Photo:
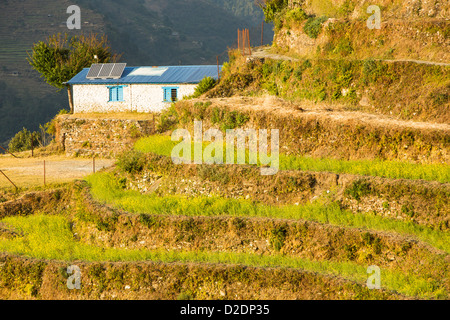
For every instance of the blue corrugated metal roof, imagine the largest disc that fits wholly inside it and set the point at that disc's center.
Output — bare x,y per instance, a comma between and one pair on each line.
172,75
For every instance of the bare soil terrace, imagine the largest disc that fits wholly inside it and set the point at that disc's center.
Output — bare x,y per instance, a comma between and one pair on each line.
29,172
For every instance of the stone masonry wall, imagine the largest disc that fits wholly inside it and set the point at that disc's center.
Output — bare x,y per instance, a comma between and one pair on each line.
79,136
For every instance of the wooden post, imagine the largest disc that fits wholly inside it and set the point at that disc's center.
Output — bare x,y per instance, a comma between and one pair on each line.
32,144
154,125
243,42
239,40
262,33
9,180
8,152
249,46
218,69
44,173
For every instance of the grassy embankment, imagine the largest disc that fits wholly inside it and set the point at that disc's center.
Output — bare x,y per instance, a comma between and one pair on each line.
162,145
50,237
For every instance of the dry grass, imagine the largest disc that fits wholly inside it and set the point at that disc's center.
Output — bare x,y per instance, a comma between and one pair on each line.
322,110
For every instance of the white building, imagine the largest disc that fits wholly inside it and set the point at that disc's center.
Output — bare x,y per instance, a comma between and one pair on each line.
105,88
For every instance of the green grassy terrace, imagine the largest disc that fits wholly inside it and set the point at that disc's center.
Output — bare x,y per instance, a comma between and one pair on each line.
162,145
106,188
50,237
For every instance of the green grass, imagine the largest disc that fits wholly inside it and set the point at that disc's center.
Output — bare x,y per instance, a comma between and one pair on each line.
162,145
50,237
380,168
106,188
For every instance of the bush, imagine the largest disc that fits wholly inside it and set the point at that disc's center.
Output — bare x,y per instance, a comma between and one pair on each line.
168,119
278,237
313,26
50,127
204,85
297,15
234,120
359,189
272,7
132,161
22,141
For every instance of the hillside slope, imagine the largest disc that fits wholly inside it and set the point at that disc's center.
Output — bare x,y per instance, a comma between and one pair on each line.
146,32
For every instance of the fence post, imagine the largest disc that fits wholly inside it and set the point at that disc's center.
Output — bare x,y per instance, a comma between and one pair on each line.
32,144
9,180
8,152
218,69
153,122
249,46
239,40
262,33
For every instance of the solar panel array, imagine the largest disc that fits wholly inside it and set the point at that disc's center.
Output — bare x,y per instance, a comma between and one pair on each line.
106,71
94,71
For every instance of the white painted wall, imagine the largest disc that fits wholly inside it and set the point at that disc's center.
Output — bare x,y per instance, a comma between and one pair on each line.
138,97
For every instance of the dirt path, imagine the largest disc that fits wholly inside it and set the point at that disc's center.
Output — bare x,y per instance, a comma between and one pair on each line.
332,112
264,52
29,172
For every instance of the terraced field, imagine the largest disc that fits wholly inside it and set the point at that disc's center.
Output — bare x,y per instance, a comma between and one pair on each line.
226,232
363,181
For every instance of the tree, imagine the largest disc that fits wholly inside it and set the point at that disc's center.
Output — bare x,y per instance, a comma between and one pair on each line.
59,59
22,141
272,7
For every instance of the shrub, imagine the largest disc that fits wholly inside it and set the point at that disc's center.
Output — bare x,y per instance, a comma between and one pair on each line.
22,140
272,8
213,174
313,26
297,14
228,119
234,120
204,85
408,210
358,189
132,161
168,119
350,251
50,127
440,99
278,237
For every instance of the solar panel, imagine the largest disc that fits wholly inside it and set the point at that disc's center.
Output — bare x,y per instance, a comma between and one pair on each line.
94,71
117,70
106,70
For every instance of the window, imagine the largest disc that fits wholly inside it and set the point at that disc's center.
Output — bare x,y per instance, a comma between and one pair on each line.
170,94
116,93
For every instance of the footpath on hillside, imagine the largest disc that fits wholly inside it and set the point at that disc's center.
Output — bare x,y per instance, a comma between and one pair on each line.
335,112
265,53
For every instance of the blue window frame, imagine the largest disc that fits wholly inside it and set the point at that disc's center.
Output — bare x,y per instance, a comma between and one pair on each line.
170,94
116,93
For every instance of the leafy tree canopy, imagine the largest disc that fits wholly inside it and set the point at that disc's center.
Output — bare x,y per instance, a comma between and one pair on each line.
22,141
272,7
60,58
